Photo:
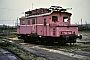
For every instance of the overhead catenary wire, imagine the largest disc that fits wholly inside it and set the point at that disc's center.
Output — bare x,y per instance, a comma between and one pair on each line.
9,9
7,20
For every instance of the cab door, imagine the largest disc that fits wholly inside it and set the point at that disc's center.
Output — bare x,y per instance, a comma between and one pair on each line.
54,31
45,28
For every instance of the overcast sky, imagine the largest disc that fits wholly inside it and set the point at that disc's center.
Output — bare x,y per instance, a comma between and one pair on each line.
11,9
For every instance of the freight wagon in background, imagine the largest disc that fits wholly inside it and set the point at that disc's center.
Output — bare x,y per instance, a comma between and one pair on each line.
48,25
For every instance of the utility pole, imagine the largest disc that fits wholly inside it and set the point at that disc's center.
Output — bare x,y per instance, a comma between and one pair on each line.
77,23
81,21
81,24
86,22
32,5
17,21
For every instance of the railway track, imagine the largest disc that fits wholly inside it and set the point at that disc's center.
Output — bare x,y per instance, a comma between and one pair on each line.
51,54
6,55
47,52
19,51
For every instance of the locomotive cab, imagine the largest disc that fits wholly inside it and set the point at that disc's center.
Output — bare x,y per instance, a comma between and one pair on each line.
48,25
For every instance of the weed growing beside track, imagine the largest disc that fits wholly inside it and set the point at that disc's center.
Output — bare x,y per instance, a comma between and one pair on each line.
69,48
24,55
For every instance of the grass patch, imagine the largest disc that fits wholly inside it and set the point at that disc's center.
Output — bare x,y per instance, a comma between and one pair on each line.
24,55
68,48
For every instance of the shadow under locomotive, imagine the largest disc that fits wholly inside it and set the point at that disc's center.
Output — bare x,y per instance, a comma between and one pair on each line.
48,40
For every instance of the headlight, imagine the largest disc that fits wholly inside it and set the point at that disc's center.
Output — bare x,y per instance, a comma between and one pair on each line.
40,36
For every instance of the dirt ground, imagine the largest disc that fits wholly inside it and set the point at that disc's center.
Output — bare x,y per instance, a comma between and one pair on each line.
85,34
85,37
78,48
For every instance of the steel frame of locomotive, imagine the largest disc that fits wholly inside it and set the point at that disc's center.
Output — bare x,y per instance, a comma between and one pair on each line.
48,26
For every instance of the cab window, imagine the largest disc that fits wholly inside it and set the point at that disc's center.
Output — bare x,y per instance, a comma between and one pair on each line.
65,19
54,18
44,22
33,21
28,22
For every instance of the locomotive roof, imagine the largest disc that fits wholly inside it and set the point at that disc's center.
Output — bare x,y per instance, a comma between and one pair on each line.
45,14
29,12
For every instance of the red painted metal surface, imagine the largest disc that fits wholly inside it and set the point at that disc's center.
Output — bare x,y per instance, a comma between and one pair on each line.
51,29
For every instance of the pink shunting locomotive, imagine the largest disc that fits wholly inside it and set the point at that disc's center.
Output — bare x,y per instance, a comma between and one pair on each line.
48,25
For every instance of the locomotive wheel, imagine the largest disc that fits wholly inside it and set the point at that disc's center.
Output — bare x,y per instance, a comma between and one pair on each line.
26,40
